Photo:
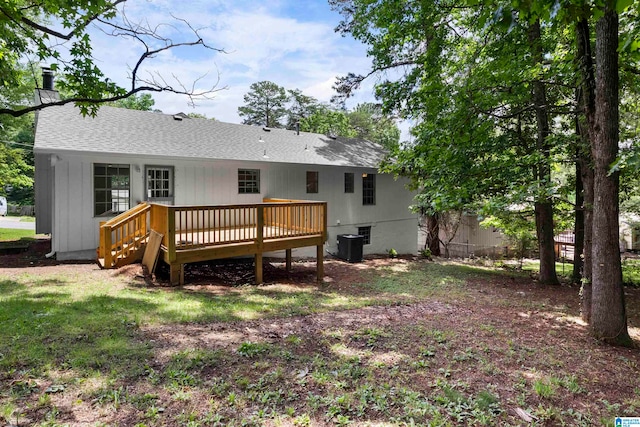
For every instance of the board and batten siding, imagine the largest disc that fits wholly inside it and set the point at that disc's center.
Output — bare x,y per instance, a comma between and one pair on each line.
43,187
76,230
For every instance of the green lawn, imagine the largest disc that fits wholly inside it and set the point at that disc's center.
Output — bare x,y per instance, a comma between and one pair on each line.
427,344
630,270
10,234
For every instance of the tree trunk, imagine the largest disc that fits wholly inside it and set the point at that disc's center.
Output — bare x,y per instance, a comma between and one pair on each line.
608,314
584,161
543,203
578,229
544,231
586,171
433,231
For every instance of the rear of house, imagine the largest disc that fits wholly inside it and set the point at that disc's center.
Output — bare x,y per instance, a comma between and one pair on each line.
90,169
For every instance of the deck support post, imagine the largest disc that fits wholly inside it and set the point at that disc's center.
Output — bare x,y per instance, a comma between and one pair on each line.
288,257
259,268
176,273
320,262
259,242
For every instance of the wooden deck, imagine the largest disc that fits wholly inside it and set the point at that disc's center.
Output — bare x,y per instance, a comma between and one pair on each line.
202,233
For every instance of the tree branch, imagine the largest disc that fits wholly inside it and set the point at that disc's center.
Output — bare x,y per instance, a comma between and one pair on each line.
54,33
153,43
351,82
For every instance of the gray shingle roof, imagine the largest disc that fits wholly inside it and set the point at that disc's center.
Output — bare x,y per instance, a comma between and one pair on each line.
122,131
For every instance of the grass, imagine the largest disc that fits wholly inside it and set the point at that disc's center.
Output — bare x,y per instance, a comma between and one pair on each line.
630,270
129,354
10,234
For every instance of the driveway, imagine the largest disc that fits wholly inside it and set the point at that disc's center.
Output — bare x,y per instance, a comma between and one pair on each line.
15,223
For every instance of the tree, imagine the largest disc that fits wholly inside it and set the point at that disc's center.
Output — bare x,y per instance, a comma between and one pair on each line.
264,104
481,78
66,43
468,82
365,121
142,102
608,312
328,121
300,107
585,126
16,143
370,123
543,202
200,116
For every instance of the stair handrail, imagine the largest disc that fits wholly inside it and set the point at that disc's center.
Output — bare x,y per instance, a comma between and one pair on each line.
124,243
117,220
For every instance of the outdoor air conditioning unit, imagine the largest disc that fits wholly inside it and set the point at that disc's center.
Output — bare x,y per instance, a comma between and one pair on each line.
350,247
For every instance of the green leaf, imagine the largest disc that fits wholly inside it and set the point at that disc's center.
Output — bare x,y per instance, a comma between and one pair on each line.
622,5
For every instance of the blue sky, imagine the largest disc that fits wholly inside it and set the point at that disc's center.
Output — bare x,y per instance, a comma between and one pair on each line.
292,43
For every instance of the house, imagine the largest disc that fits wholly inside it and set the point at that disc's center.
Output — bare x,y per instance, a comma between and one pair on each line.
467,238
629,232
89,170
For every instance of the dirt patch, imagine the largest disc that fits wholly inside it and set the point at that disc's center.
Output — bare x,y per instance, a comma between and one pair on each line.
503,349
34,255
229,335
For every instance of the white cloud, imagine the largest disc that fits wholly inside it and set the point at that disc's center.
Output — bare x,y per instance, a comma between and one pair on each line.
264,42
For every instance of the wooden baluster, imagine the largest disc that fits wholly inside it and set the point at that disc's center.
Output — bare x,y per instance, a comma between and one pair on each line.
171,231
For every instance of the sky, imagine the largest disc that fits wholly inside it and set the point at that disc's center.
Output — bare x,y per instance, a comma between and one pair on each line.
289,42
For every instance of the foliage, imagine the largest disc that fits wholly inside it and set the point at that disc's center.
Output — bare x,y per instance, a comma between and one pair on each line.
199,116
631,272
519,229
370,123
16,142
16,175
271,105
300,107
264,104
365,121
142,102
328,121
60,33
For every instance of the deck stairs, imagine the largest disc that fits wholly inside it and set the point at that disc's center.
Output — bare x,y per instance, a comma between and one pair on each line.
124,237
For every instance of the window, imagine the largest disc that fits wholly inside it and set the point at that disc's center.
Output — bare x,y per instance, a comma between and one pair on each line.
159,182
368,188
312,182
111,189
348,182
249,181
365,232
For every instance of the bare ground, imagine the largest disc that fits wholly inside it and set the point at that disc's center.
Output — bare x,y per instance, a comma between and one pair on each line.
506,334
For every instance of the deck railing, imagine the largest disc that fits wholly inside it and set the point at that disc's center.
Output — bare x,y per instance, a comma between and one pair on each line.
291,218
192,227
124,234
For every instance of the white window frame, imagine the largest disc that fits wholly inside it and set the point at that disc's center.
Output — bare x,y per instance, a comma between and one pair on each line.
118,197
154,194
250,184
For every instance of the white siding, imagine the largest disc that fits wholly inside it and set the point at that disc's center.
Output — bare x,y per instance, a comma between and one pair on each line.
473,240
43,193
75,231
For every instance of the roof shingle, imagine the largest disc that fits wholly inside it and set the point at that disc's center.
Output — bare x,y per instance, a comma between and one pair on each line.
122,131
